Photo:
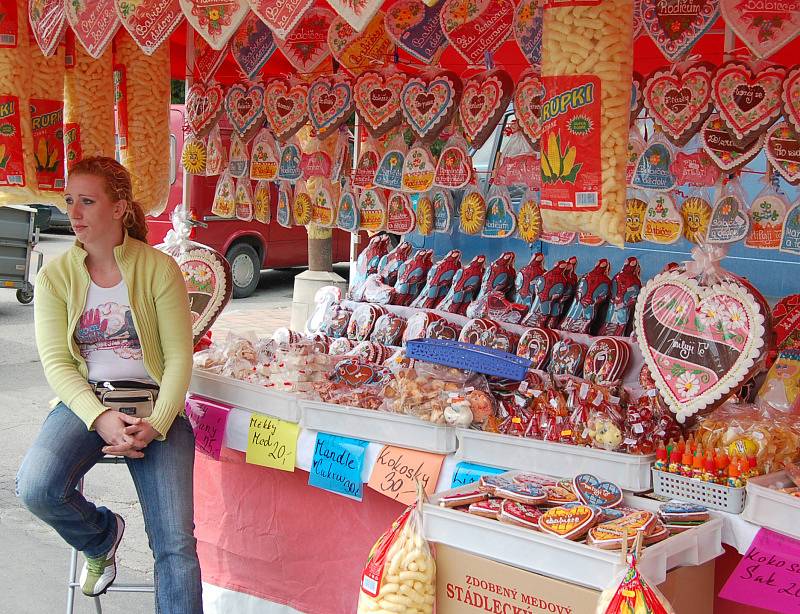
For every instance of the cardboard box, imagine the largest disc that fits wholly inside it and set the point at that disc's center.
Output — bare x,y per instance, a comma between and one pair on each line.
468,584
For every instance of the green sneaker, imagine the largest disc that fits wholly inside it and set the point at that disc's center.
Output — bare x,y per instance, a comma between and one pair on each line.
100,572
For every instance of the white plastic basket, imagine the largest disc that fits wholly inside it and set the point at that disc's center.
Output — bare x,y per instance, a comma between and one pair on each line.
378,426
564,559
711,495
769,508
628,471
245,395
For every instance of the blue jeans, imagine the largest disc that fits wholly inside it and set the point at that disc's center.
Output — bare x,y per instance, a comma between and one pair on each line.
62,454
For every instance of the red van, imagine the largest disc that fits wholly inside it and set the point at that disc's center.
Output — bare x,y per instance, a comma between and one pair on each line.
248,246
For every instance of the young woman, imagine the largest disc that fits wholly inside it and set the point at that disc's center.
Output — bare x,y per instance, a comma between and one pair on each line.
113,309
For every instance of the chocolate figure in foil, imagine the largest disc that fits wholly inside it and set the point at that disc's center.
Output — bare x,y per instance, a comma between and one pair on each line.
499,276
571,278
549,288
368,262
590,294
466,284
411,277
625,289
523,285
390,263
440,277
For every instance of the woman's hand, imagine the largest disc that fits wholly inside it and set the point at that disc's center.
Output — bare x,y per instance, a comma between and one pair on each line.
141,433
111,426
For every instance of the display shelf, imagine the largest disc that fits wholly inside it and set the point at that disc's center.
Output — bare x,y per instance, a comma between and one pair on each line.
378,426
564,559
769,508
245,395
716,496
628,471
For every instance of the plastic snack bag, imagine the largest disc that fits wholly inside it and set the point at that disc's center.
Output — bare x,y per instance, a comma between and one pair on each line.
632,594
400,575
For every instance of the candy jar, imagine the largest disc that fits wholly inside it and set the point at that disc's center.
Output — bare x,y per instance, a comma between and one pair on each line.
466,284
440,278
591,292
524,290
411,276
625,289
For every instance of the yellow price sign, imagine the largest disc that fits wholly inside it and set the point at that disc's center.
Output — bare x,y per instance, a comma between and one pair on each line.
272,442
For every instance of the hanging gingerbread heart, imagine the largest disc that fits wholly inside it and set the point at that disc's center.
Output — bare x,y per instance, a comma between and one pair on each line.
663,223
791,97
281,15
679,101
729,220
400,217
94,23
723,147
289,168
215,20
700,342
377,100
390,170
790,239
695,169
285,106
204,105
767,214
306,45
418,169
48,21
366,167
637,96
206,60
330,104
244,106
748,102
347,212
149,22
252,45
357,13
429,103
528,97
414,27
467,23
763,26
676,25
783,150
357,51
483,103
653,167
454,168
528,30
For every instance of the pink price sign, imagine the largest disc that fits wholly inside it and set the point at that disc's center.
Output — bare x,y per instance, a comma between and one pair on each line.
208,420
768,576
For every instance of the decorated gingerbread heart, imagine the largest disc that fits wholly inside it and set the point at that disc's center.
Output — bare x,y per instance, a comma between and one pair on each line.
528,30
204,105
377,100
149,22
767,214
414,27
528,97
366,167
483,103
606,361
429,102
281,15
593,491
347,217
695,169
699,342
330,104
790,239
356,50
454,167
48,21
400,217
676,25
570,523
306,44
722,146
215,20
264,157
291,157
418,169
653,167
371,210
285,106
206,59
466,24
252,45
790,96
763,27
729,220
244,106
566,357
748,101
501,221
358,13
679,101
536,344
94,23
663,223
783,150
389,174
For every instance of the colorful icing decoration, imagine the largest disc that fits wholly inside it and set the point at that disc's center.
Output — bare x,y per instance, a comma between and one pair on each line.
418,170
483,103
528,30
635,210
528,98
790,240
723,148
663,222
357,13
390,170
204,105
696,214
347,212
442,210
371,211
289,168
285,107
424,213
238,159
429,102
252,45
676,25
302,208
400,218
244,106
653,167
367,166
767,214
94,23
377,100
330,104
791,97
284,206
592,491
529,220
357,49
306,44
264,157
466,24
763,27
500,219
454,168
695,169
783,150
414,27
472,213
262,199
729,220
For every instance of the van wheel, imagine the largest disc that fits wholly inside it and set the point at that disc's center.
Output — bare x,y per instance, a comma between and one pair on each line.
245,269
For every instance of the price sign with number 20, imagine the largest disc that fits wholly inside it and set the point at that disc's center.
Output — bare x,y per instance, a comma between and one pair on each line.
272,442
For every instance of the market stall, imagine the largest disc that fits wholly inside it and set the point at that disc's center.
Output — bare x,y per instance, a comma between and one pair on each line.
584,348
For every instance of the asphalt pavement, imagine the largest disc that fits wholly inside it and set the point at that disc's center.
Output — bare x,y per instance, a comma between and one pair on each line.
34,564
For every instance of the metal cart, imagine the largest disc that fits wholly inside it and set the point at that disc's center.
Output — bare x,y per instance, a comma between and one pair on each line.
18,237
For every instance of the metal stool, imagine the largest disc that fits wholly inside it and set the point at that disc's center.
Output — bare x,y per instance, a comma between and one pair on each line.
72,580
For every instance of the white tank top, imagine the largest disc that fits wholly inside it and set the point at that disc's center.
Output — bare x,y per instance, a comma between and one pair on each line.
107,338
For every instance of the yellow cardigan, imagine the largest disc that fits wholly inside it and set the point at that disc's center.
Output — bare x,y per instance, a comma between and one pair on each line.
160,308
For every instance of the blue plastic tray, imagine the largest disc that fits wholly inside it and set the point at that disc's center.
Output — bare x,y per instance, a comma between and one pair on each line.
468,357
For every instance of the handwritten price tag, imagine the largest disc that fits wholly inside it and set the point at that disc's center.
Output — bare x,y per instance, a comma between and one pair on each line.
768,576
337,464
397,471
272,442
208,420
467,473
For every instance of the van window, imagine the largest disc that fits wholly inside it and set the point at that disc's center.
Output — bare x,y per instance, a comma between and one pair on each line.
173,159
